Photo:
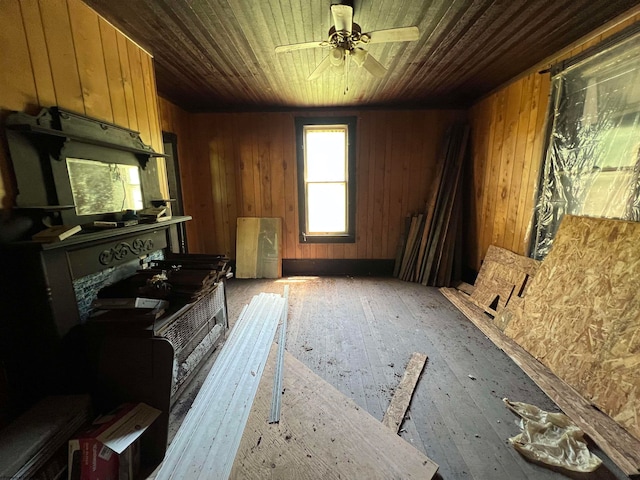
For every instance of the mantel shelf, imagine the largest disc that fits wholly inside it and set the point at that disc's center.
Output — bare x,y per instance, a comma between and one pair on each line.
42,149
44,208
38,130
79,240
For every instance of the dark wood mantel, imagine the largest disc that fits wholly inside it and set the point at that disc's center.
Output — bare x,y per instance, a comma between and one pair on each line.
92,251
44,273
38,299
110,234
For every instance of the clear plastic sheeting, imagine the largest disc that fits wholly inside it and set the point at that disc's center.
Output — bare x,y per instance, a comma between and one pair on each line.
551,438
591,166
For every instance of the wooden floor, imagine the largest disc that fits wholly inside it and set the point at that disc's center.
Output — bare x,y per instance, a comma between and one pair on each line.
359,333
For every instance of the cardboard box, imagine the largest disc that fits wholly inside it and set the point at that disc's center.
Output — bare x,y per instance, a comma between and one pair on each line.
109,448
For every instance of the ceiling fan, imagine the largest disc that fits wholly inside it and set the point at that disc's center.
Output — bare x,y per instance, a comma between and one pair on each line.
346,41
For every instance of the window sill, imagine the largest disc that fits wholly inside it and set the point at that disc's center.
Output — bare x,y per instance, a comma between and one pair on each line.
327,238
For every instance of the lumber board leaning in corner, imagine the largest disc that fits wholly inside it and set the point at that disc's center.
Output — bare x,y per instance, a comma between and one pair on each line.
321,434
401,399
614,440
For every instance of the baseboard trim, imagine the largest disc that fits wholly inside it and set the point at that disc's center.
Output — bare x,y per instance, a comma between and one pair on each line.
326,267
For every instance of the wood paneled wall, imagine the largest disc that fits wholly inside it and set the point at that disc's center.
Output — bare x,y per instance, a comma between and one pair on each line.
244,164
508,129
195,200
60,52
507,142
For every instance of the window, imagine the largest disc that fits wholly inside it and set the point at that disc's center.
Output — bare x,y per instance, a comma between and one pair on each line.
326,179
592,163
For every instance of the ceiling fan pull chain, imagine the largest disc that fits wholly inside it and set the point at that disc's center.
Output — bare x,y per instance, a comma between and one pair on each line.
346,71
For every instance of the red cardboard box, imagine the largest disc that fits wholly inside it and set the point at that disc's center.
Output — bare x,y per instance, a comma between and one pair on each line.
109,449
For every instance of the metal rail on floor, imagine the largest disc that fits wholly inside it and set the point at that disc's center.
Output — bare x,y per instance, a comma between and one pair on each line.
276,399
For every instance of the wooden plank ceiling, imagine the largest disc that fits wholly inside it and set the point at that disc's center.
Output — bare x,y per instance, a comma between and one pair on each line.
219,54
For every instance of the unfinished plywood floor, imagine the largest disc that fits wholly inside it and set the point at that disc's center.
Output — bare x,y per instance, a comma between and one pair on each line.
359,333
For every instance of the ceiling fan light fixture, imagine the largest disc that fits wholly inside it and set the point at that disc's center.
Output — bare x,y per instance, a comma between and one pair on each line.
336,56
359,56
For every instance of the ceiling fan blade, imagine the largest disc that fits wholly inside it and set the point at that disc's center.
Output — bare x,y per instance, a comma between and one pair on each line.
365,60
374,67
299,46
402,34
324,64
342,17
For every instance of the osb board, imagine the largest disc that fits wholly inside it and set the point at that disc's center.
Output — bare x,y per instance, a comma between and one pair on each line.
614,440
508,259
503,274
581,314
465,288
321,434
494,286
504,317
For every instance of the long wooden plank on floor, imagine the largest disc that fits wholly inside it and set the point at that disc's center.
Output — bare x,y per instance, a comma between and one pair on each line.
615,441
207,440
321,434
402,396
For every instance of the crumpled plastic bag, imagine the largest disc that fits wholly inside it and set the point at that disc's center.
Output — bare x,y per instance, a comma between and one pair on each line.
551,438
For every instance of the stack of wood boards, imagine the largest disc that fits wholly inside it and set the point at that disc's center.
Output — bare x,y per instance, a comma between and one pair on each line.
194,261
430,250
502,280
187,280
581,314
192,276
28,445
192,284
321,434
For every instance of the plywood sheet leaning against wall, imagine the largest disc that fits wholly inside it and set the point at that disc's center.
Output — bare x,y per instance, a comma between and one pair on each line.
581,314
259,248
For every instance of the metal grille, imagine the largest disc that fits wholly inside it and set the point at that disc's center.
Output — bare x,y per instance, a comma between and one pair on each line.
182,330
185,366
193,333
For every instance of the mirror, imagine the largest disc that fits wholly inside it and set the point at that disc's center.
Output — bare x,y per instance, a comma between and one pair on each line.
99,187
